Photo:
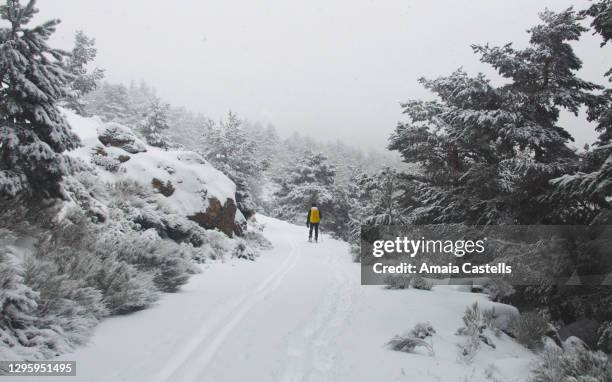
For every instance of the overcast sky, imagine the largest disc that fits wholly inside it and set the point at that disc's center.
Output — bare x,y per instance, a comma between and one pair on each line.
328,68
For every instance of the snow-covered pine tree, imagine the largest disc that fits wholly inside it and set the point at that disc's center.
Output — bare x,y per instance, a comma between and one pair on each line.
488,153
601,12
140,96
387,198
586,192
33,132
111,103
312,180
155,123
228,147
82,54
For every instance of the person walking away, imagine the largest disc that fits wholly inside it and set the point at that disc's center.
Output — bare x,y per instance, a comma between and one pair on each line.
312,222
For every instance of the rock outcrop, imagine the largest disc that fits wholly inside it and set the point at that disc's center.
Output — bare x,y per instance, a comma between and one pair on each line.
187,183
222,217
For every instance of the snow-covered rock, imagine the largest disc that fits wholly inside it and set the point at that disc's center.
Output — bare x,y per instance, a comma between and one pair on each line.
189,184
117,135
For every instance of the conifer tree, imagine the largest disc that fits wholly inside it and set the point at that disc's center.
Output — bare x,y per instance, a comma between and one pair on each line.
82,54
586,192
312,180
488,153
228,147
155,123
112,103
33,132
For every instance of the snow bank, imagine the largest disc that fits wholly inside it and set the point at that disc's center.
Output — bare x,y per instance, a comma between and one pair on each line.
192,180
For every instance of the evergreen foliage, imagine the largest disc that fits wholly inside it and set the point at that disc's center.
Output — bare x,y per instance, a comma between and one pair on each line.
155,123
229,148
488,153
82,54
33,132
586,191
312,180
572,364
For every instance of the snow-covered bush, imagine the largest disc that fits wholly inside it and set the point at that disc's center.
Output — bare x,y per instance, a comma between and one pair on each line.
254,235
125,290
147,252
243,251
108,163
18,304
398,281
574,364
419,282
406,281
476,320
117,135
529,328
477,324
422,330
76,248
469,348
408,344
67,303
218,246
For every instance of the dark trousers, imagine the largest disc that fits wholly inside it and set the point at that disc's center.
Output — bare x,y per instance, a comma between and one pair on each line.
316,229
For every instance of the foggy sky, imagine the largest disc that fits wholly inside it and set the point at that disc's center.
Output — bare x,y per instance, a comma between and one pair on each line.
332,69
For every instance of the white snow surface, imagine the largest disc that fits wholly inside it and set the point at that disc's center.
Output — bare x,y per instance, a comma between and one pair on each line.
298,313
194,179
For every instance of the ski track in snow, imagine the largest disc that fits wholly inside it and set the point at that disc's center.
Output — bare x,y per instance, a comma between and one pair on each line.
203,346
311,354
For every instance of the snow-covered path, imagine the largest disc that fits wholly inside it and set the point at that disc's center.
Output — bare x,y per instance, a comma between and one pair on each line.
298,313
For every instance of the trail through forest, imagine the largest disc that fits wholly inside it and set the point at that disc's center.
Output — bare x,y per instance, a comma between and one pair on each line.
298,313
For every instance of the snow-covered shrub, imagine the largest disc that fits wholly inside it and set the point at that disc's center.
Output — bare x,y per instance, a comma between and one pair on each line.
18,304
398,281
218,245
67,304
243,251
419,282
408,344
172,272
529,328
78,250
147,252
574,364
257,240
469,348
605,337
254,235
117,135
108,163
85,189
125,289
476,325
476,320
422,330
